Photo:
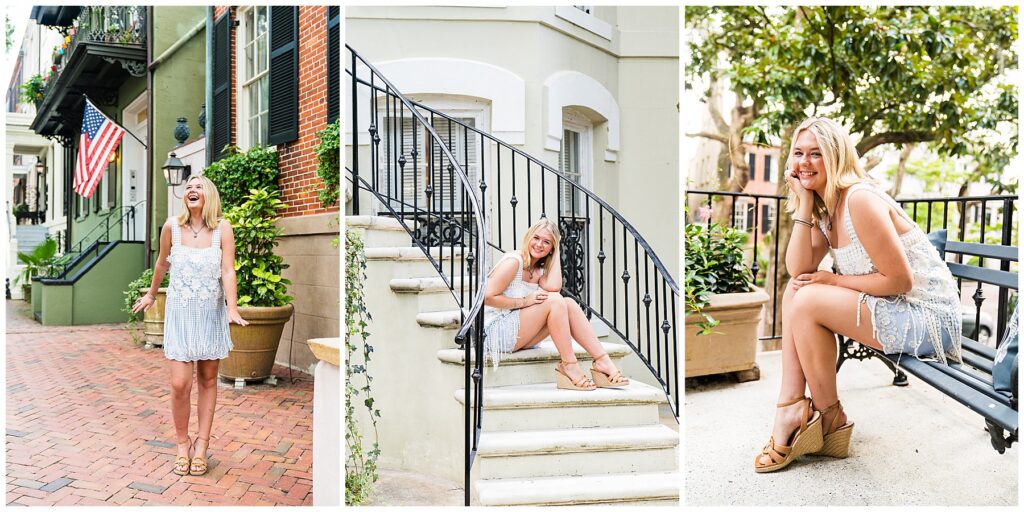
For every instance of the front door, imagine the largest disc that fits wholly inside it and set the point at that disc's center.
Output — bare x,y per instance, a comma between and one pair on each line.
133,168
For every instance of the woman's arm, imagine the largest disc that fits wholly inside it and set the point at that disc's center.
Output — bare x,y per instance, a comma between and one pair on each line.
499,280
227,272
807,245
159,270
552,278
870,216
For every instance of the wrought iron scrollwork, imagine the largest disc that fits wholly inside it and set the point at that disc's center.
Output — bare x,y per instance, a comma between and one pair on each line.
434,231
851,349
573,250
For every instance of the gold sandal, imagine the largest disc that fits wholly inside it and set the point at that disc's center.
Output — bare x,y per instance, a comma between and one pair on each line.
835,440
182,464
805,439
562,380
605,380
198,467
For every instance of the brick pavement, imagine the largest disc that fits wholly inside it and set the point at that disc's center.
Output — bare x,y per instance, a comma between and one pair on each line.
89,423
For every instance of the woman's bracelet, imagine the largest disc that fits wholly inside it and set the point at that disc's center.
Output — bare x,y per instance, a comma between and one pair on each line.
804,222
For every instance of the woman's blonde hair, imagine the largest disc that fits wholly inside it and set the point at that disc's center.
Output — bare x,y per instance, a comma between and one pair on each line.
524,251
211,208
842,165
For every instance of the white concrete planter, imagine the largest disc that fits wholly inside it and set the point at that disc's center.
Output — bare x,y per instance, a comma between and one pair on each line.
733,344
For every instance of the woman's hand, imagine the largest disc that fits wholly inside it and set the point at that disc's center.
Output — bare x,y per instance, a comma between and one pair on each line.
536,297
819,277
794,184
143,303
235,318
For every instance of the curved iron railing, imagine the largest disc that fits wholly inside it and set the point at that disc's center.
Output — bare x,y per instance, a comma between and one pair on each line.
76,254
423,182
596,241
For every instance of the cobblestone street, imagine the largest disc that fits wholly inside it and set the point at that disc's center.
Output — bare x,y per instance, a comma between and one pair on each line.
89,423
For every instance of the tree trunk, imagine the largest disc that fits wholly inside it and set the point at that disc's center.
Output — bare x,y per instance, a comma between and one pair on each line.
777,276
901,169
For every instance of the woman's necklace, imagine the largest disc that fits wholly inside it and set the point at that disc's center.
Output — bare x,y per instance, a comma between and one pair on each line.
531,271
195,234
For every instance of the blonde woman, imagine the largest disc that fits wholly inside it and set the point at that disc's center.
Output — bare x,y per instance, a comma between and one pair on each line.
199,247
892,291
524,307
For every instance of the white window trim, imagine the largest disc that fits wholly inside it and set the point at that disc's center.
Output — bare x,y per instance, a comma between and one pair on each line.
576,122
241,99
584,20
572,88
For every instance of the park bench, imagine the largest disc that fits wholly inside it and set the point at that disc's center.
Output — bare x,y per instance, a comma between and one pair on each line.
969,383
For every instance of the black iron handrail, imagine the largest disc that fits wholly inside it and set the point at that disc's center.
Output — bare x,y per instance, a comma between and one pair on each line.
127,212
440,203
913,208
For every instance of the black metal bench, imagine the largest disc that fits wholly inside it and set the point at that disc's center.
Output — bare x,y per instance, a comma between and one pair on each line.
969,383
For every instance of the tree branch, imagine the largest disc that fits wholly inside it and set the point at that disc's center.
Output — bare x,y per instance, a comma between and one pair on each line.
709,135
873,141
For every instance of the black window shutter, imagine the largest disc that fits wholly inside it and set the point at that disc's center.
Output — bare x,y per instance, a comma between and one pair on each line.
283,116
764,218
220,133
752,160
333,62
767,167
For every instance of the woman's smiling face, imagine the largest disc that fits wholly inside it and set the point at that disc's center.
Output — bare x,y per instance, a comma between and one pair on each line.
541,243
195,196
808,163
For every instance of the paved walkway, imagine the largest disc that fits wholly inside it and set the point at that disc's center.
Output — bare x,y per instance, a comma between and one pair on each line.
88,423
911,446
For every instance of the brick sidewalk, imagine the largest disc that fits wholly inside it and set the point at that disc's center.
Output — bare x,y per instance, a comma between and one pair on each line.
89,423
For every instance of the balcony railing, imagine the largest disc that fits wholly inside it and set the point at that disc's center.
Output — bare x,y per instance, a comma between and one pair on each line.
111,25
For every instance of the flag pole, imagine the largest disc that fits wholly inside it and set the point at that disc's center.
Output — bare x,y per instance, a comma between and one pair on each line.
144,146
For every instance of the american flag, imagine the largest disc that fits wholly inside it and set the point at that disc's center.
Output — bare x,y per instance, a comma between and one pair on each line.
100,137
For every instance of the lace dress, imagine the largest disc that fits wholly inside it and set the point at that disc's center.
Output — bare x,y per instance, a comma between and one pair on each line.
924,322
196,316
501,326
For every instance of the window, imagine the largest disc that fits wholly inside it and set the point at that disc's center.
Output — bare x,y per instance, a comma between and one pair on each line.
430,166
571,200
253,78
752,162
739,216
768,175
767,217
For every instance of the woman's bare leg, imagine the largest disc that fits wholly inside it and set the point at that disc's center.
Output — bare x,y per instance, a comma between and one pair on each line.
207,379
550,317
583,333
181,404
824,312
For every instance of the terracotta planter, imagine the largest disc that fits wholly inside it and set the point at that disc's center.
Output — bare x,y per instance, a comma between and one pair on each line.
255,344
153,321
732,347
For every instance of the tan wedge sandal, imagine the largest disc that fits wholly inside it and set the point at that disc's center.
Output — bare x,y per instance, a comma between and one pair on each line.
835,440
805,439
562,380
198,467
183,463
604,380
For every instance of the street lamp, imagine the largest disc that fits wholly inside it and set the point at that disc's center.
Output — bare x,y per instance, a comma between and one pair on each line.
175,172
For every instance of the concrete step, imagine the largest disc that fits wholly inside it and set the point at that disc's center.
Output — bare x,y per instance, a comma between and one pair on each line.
575,452
449,319
543,406
662,488
414,262
379,231
530,366
433,293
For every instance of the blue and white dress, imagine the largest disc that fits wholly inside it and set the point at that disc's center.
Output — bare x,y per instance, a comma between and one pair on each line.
196,315
502,325
924,322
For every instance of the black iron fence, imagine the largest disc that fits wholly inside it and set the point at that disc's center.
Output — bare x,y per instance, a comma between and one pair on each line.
982,219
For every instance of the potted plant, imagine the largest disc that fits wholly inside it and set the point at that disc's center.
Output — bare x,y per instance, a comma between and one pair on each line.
39,262
32,90
262,291
152,318
723,308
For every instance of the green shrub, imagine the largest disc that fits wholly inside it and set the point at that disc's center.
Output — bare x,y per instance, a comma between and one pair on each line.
241,171
257,268
714,264
328,163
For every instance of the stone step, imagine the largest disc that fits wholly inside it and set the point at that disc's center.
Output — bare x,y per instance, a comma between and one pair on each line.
414,262
661,488
448,319
433,293
379,231
575,452
543,406
530,366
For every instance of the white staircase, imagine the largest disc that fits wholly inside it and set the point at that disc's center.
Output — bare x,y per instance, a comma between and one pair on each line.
29,237
540,445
